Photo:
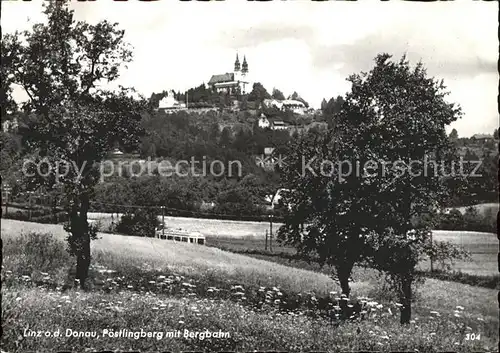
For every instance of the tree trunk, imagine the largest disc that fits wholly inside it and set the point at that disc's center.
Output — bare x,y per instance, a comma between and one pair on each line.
81,237
343,273
406,301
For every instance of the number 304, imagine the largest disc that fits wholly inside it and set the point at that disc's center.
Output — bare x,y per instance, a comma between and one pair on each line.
473,337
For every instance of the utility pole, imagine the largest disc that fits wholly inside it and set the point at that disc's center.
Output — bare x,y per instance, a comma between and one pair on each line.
29,204
266,240
163,222
432,264
271,233
7,190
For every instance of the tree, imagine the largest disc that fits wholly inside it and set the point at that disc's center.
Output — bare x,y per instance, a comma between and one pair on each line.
323,104
258,93
297,97
324,202
70,123
353,174
141,222
277,94
402,106
225,137
454,135
495,134
214,132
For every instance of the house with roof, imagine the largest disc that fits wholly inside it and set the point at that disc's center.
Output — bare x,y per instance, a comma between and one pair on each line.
295,106
170,103
482,137
263,122
278,125
235,82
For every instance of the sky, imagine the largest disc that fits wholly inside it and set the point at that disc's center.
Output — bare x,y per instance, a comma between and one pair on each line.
304,46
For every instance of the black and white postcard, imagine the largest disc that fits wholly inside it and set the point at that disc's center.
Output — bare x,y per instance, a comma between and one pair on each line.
249,176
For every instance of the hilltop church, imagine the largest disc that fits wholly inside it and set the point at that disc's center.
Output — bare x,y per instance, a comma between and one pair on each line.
235,82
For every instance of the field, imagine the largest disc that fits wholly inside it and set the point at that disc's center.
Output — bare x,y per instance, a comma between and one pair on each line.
483,208
159,285
240,236
210,227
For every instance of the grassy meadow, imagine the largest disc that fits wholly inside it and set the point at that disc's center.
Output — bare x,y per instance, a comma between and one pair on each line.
156,285
242,236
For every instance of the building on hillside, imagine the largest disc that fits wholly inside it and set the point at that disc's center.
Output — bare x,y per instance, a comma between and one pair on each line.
263,122
482,137
278,125
272,103
170,103
235,82
293,105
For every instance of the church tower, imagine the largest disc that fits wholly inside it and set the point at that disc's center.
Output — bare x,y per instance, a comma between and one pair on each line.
244,67
237,64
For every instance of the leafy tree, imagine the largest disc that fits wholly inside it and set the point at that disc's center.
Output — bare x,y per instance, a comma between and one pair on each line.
453,134
277,94
400,105
323,104
259,93
225,137
69,119
332,108
297,97
142,222
453,220
320,205
470,155
214,132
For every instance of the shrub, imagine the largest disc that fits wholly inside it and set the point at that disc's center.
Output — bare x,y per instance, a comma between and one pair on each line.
142,222
451,221
471,220
35,251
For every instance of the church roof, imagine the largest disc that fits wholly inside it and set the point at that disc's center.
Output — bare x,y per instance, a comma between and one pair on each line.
221,78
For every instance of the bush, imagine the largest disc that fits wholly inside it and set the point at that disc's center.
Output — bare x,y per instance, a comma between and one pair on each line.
454,220
142,223
35,251
471,220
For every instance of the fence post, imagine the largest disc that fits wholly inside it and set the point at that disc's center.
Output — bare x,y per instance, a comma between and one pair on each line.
432,264
29,205
163,222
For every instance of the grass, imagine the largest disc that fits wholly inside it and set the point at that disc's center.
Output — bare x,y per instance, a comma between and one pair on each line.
247,329
209,227
242,236
143,284
122,253
483,248
482,208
